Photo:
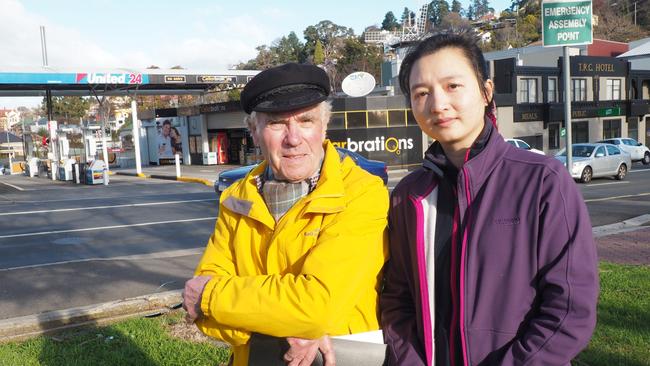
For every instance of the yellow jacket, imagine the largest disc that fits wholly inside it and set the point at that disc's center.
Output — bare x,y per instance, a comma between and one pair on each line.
316,271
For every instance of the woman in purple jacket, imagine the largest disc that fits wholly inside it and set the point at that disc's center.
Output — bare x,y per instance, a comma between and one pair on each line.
492,256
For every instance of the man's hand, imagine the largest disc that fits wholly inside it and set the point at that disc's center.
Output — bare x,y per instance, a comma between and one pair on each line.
302,352
192,297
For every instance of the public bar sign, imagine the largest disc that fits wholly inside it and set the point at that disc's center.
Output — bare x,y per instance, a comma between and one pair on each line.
566,23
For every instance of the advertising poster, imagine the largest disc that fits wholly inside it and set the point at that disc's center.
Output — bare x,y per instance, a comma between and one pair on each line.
169,139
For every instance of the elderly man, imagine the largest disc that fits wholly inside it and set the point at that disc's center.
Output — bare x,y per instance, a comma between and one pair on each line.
299,244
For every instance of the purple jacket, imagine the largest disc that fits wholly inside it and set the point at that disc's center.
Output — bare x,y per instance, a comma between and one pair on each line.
528,266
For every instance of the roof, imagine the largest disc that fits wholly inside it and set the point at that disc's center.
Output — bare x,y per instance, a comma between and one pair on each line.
123,81
642,50
12,137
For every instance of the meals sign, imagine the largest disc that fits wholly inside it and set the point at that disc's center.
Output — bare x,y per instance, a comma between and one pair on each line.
566,23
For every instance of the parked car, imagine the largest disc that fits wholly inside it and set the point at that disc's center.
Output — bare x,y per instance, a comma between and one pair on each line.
523,145
597,160
378,168
2,169
637,150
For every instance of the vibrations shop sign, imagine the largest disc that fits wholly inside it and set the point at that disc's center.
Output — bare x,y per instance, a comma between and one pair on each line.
566,23
394,146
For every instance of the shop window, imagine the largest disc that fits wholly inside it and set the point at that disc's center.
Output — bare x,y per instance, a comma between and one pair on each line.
196,147
356,119
377,119
633,128
554,136
397,118
528,90
552,90
613,89
579,132
535,141
578,90
410,119
337,121
611,128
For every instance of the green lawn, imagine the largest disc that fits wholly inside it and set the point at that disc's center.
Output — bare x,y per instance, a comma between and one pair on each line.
622,335
141,342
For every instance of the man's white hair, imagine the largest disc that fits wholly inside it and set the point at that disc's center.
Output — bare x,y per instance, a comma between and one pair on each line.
325,110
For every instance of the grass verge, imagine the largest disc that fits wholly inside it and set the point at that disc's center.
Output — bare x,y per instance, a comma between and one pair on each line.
140,341
622,335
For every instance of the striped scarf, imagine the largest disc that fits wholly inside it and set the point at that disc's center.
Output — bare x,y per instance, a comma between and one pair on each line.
280,196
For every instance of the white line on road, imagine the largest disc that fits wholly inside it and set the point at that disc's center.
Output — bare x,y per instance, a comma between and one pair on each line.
103,207
618,197
134,257
13,186
605,184
104,228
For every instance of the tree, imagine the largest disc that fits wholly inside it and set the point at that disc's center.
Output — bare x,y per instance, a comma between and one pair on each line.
455,22
437,10
408,17
615,26
67,109
480,8
331,36
357,56
319,55
390,23
288,49
456,7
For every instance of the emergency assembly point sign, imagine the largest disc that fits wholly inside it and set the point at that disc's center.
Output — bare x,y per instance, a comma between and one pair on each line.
566,23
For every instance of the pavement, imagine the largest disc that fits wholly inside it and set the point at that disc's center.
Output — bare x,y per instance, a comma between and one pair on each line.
207,174
625,242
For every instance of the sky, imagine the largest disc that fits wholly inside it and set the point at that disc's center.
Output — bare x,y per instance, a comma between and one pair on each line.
201,35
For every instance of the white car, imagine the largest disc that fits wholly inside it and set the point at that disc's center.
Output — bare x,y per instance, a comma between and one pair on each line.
523,145
637,150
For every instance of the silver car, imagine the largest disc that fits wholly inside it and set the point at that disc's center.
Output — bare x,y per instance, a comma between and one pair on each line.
597,160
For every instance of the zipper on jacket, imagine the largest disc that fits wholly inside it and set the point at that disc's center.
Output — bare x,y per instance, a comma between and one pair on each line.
453,282
463,256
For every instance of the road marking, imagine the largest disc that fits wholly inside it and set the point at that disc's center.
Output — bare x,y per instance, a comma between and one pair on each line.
13,186
110,197
605,184
133,257
103,207
104,227
618,197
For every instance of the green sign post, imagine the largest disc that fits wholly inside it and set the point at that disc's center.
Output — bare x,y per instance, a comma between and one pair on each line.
566,23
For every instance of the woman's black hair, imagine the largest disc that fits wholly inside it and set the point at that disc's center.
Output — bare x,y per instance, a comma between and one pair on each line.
464,41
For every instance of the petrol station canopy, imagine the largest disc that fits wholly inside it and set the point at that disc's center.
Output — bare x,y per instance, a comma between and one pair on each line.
40,81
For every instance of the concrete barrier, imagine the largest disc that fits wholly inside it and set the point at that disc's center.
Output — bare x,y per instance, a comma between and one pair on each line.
20,328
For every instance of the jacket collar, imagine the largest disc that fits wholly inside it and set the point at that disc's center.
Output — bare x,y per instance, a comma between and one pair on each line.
327,197
485,154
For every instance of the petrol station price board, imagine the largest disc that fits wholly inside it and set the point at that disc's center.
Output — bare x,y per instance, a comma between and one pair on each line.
566,23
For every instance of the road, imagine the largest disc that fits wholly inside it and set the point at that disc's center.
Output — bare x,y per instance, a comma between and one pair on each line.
64,246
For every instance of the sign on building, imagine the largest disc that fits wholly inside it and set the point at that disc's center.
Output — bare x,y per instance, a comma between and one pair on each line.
566,23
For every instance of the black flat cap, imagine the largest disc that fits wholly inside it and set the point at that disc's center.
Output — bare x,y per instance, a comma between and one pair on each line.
285,88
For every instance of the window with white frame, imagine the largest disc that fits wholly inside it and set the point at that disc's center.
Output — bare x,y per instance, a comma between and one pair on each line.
552,90
578,90
613,89
528,90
